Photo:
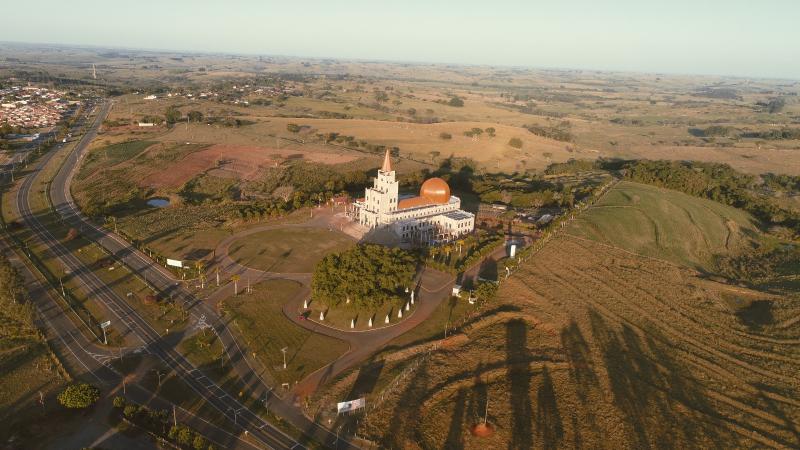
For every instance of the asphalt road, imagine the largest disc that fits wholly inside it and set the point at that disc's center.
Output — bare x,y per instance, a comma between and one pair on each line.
130,323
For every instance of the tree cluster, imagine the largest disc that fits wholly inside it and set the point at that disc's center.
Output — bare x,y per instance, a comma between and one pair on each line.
559,133
158,421
367,275
78,396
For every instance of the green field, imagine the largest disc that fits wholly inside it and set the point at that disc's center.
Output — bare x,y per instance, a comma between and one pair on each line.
289,249
666,224
259,317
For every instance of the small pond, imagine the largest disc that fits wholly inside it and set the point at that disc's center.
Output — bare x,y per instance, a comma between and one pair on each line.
158,202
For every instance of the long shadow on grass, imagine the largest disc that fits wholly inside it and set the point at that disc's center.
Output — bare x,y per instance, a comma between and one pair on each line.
652,391
583,376
455,436
406,414
549,429
438,334
479,395
519,378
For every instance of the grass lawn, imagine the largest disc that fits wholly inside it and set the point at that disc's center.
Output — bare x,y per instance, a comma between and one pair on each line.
666,224
290,249
260,319
449,313
340,317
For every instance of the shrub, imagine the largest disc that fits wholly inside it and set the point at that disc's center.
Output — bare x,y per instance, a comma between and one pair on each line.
486,291
199,442
130,411
455,101
79,396
119,402
185,436
515,142
445,136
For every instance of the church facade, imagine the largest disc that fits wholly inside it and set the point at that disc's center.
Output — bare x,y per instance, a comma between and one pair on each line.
432,216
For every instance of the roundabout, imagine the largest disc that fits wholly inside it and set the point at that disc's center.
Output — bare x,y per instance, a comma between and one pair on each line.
432,287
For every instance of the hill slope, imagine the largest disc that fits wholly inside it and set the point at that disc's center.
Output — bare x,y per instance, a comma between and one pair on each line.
666,224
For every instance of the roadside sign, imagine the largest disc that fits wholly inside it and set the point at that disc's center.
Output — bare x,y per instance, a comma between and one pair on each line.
352,405
105,324
174,263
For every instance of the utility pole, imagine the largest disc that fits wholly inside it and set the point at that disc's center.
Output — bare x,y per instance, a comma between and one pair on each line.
486,411
283,350
174,416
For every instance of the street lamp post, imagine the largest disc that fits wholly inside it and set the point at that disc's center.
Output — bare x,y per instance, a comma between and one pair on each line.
283,350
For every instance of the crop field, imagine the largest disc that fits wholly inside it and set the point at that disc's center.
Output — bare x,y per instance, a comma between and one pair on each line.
288,249
591,344
667,224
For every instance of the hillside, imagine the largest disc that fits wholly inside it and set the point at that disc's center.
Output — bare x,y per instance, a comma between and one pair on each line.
666,224
591,344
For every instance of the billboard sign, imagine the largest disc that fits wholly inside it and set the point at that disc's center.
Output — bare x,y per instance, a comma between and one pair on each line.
352,405
174,262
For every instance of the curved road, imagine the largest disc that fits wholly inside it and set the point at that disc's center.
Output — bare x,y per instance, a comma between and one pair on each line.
432,287
130,322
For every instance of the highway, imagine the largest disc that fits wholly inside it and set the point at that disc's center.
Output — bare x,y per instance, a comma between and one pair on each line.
127,320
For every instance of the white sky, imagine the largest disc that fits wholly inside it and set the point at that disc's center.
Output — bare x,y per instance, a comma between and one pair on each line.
724,37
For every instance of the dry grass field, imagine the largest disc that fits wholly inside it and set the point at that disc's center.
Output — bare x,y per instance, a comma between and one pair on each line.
596,347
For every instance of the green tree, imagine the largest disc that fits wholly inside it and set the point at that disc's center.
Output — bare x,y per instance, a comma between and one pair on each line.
185,436
195,116
81,395
130,411
490,131
455,101
199,442
369,275
515,142
119,402
172,115
776,105
486,291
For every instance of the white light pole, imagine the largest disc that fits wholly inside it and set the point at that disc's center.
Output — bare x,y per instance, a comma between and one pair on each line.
283,350
103,326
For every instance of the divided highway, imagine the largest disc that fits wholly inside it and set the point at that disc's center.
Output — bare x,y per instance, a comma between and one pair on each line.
129,322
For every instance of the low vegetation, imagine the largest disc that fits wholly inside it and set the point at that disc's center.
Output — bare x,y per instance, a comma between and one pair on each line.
27,365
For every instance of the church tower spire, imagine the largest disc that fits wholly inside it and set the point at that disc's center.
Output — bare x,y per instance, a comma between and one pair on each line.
387,162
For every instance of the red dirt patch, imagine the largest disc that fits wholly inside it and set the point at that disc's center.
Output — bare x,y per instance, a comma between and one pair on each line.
482,430
234,161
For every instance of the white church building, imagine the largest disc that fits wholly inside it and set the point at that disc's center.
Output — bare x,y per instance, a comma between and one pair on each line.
432,216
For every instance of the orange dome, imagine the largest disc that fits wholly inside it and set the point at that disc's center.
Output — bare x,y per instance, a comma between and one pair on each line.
435,190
